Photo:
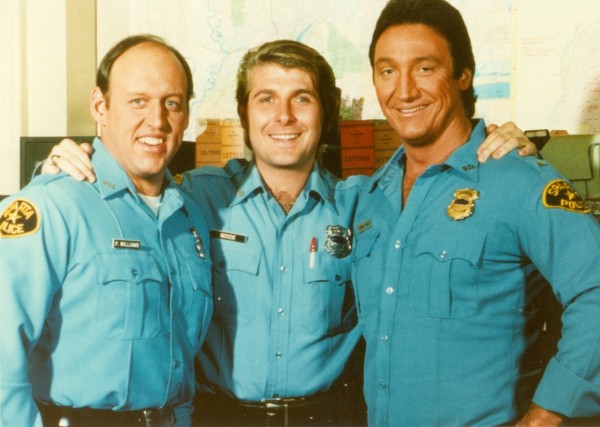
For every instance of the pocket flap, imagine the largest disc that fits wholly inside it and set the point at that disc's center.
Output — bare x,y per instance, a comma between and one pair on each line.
133,268
446,246
228,255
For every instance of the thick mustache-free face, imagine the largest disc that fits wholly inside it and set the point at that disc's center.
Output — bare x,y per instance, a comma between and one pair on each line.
283,117
413,77
145,112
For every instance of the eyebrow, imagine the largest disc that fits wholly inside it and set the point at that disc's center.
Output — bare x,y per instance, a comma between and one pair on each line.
146,94
294,93
431,58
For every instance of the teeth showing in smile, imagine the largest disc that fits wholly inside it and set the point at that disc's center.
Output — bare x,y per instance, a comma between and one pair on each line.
151,141
412,110
286,137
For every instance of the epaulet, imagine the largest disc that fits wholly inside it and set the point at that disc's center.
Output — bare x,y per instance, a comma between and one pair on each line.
235,166
232,168
356,180
47,179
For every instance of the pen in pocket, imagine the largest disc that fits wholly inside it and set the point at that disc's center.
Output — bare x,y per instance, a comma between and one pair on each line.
313,251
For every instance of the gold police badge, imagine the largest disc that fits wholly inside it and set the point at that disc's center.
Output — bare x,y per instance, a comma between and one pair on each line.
463,204
560,194
20,218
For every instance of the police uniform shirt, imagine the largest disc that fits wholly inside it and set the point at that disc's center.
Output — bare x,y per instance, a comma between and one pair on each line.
284,319
449,293
108,302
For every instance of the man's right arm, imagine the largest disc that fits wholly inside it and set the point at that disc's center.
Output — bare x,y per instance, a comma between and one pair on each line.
28,283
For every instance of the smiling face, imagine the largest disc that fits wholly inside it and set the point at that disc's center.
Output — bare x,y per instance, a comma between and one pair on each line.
283,118
144,114
413,77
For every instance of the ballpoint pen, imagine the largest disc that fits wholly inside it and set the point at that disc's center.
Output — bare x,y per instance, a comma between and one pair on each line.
313,251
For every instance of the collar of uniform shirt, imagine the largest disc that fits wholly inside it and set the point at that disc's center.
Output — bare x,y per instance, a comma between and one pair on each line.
106,166
463,160
252,183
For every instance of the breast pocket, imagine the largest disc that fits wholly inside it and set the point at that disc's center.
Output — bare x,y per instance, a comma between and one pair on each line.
442,282
325,301
131,296
235,273
366,271
198,297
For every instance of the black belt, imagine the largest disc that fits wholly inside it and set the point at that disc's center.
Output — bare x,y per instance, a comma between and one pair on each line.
285,402
222,410
54,416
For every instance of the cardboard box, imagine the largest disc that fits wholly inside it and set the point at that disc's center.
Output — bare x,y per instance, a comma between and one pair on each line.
358,158
232,140
208,154
232,132
356,133
384,136
229,152
208,131
381,157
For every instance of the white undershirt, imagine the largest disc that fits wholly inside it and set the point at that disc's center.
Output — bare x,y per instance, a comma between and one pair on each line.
153,202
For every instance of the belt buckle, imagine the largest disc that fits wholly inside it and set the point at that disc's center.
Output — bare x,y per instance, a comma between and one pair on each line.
276,404
157,417
148,417
279,404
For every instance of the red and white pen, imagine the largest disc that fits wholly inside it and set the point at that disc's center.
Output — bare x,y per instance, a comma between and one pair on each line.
313,251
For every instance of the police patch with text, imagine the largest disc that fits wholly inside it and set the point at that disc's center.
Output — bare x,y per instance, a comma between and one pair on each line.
559,194
19,219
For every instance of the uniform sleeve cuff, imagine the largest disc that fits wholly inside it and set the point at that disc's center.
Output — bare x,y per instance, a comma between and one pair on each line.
561,391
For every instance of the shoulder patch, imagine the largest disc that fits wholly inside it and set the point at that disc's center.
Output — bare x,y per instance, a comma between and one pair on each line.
560,194
20,218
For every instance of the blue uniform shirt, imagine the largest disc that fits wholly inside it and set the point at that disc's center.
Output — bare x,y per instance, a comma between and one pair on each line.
283,325
451,308
108,302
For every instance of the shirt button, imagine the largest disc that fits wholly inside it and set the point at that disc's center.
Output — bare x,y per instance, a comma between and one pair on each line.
134,272
176,364
382,384
389,290
276,396
397,244
278,355
282,268
280,311
443,254
384,337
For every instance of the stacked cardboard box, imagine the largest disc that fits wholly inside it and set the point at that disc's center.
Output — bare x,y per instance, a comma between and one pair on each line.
232,140
218,141
208,142
385,142
357,153
366,145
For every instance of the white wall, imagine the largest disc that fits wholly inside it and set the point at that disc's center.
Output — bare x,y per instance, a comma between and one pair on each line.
32,78
10,84
45,68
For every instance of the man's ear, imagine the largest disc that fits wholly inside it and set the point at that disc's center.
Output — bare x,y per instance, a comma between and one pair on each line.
464,81
98,106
